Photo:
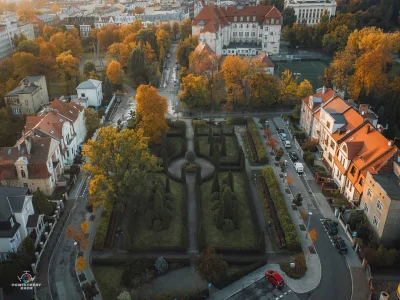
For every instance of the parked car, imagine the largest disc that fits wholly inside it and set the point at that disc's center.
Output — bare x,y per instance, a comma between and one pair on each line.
293,156
330,226
283,136
340,245
168,56
287,144
280,130
275,278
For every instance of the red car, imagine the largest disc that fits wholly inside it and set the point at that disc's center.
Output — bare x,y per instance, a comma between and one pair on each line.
274,278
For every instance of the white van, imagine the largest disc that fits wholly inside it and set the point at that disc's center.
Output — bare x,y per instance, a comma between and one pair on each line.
299,167
287,144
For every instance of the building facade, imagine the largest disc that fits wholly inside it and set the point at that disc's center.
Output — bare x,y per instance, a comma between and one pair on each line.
29,97
381,202
8,31
309,12
239,30
90,90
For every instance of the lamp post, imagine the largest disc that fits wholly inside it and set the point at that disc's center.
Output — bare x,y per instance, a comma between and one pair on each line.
308,222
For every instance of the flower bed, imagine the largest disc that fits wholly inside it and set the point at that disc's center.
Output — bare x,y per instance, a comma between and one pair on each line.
261,152
292,240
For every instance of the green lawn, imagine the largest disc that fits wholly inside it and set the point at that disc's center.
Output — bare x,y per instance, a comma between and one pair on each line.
142,239
246,236
232,148
57,89
109,279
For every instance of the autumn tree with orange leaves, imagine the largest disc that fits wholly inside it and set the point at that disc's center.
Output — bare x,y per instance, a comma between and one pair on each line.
272,143
313,235
67,67
115,73
119,52
75,233
151,109
118,179
80,264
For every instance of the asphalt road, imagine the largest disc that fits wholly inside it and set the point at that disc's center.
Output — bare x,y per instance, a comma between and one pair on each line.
336,280
264,290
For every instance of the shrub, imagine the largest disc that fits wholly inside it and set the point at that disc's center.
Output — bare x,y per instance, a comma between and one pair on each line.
191,167
148,219
310,160
310,145
300,267
292,240
215,196
190,156
166,218
261,152
228,225
236,121
161,265
215,183
157,226
199,123
101,230
305,154
215,205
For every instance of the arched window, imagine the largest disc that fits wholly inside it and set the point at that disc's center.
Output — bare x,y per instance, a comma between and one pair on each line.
23,175
344,148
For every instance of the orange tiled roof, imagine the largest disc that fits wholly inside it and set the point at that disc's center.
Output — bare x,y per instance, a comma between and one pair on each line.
354,120
70,110
262,57
338,105
203,47
329,93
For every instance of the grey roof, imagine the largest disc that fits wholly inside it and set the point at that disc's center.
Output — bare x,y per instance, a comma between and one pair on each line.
7,192
47,17
33,78
17,203
10,232
89,84
32,221
338,117
25,90
390,183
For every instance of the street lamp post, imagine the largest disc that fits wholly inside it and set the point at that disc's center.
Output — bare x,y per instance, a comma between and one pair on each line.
308,222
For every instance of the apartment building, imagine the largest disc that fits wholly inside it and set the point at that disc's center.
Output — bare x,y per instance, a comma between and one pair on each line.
65,123
310,111
34,162
309,12
381,202
29,97
239,30
39,21
363,150
8,30
337,119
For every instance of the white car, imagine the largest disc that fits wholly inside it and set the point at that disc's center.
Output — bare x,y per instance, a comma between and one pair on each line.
287,144
283,136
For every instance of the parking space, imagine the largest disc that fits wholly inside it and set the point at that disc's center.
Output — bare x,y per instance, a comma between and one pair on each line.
264,290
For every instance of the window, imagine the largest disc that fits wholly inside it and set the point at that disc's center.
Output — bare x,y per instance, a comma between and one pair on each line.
247,33
12,222
25,186
379,205
235,19
333,145
23,175
248,19
369,193
234,25
241,19
240,33
366,207
260,35
253,34
361,182
375,221
254,18
83,95
26,102
328,124
235,34
272,21
330,157
254,25
353,171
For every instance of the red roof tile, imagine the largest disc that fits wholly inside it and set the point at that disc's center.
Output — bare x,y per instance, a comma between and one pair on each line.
265,60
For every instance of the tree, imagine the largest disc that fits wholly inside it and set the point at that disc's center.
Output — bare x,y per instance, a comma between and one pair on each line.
304,89
49,31
263,90
183,50
137,66
115,73
80,264
152,108
41,204
289,179
313,235
167,186
92,121
163,42
216,157
336,40
296,112
64,41
18,38
124,296
231,182
148,36
24,63
279,154
55,8
223,146
113,176
289,16
236,216
288,86
119,52
29,47
298,200
88,67
26,251
85,226
176,29
186,28
210,266
75,233
194,90
215,183
67,67
272,143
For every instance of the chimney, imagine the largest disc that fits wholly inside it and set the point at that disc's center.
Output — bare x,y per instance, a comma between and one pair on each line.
368,129
28,144
323,90
363,109
390,143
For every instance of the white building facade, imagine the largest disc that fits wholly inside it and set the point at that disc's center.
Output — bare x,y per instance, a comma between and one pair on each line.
239,30
8,31
309,12
90,90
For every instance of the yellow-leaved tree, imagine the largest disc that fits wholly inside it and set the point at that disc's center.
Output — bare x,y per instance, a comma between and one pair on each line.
288,86
67,67
194,91
80,263
121,167
115,73
119,52
304,89
151,109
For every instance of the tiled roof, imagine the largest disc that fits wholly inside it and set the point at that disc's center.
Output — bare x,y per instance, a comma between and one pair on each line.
203,47
326,96
338,105
25,90
353,120
68,109
265,60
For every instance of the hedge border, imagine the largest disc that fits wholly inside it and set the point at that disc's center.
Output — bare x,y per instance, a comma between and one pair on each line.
261,152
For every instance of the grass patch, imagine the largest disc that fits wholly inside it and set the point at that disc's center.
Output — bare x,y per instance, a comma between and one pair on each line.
109,279
246,236
143,239
56,88
232,148
299,270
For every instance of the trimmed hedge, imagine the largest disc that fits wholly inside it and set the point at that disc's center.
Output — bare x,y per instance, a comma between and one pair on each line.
236,121
101,230
291,237
261,152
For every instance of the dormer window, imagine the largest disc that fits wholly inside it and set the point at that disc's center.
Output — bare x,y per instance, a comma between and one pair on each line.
328,125
235,19
241,19
51,131
254,18
272,21
23,175
61,120
248,19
